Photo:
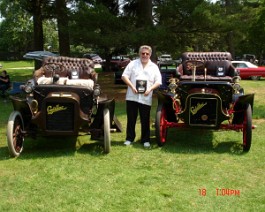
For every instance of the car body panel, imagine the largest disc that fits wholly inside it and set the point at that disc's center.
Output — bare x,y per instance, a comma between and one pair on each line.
165,59
95,57
167,71
248,70
116,63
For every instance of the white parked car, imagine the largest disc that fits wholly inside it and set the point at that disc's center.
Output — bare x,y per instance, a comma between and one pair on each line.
165,57
248,70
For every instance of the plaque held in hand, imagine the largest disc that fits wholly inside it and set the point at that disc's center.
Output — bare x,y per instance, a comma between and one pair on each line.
141,85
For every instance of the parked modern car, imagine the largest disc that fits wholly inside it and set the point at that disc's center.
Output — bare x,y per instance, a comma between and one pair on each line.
248,70
167,71
94,57
39,55
117,77
165,58
116,63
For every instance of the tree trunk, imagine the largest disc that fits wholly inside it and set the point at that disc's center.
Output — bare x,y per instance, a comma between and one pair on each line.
38,30
63,31
144,13
145,21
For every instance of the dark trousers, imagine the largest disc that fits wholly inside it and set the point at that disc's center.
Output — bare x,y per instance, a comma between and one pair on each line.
132,109
3,88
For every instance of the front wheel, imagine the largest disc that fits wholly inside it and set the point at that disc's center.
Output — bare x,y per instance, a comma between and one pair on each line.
15,136
247,129
160,125
106,117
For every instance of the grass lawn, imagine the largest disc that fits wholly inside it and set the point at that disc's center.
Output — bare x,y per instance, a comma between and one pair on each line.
195,170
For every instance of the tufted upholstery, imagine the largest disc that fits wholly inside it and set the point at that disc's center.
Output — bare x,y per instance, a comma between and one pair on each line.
213,61
206,56
84,67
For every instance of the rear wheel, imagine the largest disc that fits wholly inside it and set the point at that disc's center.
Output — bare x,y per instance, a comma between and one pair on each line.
255,77
106,117
15,136
160,125
247,129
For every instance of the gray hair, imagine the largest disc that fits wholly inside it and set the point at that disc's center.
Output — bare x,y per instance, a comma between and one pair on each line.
145,47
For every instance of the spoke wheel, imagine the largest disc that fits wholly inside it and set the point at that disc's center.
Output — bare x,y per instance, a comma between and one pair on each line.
247,129
160,125
15,136
106,117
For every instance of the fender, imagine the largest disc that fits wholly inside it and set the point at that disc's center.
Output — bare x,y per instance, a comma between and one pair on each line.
244,100
23,107
98,119
164,97
167,100
240,107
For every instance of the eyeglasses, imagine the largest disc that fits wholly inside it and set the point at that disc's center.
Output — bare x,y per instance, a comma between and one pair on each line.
145,53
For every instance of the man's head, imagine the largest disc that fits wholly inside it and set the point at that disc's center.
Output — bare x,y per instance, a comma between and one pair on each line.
4,73
145,53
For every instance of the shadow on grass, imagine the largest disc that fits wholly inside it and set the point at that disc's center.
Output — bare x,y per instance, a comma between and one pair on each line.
196,141
46,147
184,141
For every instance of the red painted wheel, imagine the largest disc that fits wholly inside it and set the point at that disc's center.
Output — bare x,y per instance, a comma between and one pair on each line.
160,125
247,129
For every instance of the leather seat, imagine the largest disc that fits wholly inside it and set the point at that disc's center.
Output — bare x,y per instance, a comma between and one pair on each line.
218,65
84,67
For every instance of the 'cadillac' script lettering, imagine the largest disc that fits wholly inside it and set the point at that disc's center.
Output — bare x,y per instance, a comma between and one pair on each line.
196,108
51,109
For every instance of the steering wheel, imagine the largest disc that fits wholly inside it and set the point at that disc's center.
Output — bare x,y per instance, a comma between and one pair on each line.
54,67
54,70
191,64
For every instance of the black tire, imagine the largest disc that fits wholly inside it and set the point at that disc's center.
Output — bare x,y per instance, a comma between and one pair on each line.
160,125
255,77
15,136
247,129
107,142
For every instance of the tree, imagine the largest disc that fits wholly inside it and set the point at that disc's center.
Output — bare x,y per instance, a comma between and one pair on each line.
41,10
98,27
115,27
15,29
63,30
256,35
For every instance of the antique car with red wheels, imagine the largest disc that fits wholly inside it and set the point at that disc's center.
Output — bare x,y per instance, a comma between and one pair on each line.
206,94
62,99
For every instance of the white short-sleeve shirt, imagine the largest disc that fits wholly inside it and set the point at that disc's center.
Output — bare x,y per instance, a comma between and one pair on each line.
135,71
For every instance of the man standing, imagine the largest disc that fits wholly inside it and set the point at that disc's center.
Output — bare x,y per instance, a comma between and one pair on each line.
4,82
141,76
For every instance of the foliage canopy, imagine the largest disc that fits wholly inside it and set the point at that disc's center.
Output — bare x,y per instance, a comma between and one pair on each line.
119,27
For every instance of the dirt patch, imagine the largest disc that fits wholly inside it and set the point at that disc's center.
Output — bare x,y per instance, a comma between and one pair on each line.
109,88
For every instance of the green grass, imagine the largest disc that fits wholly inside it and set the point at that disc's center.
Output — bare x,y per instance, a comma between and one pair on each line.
75,175
18,71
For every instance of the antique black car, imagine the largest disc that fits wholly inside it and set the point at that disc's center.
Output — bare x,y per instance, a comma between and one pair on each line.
205,94
62,99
